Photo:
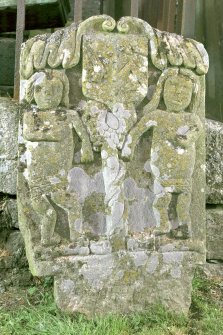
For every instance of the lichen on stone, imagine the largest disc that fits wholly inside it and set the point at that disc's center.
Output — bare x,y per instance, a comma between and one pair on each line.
110,188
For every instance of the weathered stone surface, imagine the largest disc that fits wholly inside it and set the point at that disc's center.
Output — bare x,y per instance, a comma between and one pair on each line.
126,282
215,233
213,270
8,213
111,193
9,120
15,244
214,162
13,262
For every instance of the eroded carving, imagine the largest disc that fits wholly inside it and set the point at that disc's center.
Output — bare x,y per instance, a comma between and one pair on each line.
49,152
117,169
49,156
48,88
176,130
114,81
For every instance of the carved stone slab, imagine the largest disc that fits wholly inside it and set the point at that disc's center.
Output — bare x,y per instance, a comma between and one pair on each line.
111,189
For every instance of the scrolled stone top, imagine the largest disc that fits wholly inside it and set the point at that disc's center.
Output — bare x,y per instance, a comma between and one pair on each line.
63,48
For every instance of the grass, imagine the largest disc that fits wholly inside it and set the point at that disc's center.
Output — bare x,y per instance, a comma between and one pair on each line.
206,314
37,314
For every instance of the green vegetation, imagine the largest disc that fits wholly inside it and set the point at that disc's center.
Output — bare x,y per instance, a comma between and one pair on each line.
37,314
206,313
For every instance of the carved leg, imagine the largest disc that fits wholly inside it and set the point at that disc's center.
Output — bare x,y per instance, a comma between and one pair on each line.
114,174
86,147
47,216
70,203
161,207
183,212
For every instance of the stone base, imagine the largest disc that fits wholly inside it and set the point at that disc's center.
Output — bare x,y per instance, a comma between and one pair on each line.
125,282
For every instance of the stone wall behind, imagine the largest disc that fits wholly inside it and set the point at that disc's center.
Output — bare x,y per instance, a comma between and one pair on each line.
214,191
13,263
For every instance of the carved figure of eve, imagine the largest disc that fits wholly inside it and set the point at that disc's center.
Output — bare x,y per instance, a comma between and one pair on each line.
48,134
175,131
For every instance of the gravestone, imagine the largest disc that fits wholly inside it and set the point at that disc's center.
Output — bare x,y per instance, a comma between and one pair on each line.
111,184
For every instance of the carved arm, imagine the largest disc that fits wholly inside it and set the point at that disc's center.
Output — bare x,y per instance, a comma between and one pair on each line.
133,137
86,148
187,135
37,128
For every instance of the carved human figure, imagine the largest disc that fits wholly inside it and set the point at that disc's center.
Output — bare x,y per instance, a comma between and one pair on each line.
49,152
175,131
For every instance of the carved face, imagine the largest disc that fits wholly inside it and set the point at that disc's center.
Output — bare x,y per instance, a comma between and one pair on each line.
48,93
177,93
